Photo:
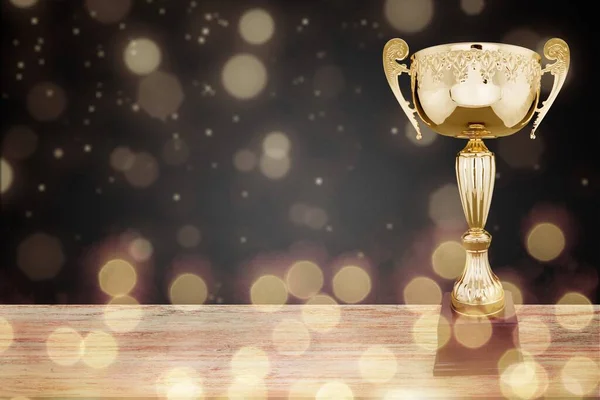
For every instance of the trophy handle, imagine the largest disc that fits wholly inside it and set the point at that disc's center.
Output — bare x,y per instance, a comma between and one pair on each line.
396,50
554,49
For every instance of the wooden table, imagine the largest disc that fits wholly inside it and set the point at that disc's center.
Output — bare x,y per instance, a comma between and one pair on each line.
373,351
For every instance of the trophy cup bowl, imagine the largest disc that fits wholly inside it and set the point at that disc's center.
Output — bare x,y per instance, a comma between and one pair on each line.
476,91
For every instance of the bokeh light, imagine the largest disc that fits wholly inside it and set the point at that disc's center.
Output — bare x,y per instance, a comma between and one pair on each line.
422,290
6,334
108,11
250,363
269,293
472,332
445,208
303,389
24,3
291,337
65,346
304,279
140,249
535,337
142,56
188,236
180,383
188,289
123,314
46,101
244,160
335,390
321,313
144,171
244,76
409,16
431,331
351,284
448,259
377,364
256,26
40,256
472,7
100,349
160,94
516,293
580,376
274,168
574,311
247,388
276,145
545,241
6,176
122,158
524,380
19,143
117,277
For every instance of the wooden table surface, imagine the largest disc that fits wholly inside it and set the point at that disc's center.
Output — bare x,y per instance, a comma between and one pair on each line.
245,352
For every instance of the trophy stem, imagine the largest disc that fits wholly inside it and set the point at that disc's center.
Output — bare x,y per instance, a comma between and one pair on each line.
478,291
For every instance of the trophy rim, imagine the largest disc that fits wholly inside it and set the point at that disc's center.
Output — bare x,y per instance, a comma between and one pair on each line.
490,46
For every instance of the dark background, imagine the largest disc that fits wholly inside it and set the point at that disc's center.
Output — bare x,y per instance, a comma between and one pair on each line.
345,128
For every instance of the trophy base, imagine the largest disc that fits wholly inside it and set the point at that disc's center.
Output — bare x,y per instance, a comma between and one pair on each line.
454,358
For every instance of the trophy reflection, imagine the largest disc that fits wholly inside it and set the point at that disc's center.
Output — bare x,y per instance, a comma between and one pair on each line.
476,91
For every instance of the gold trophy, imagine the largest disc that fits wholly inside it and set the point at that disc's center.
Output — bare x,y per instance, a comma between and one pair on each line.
476,91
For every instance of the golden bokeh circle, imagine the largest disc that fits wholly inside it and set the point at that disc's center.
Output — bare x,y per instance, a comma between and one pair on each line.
250,363
409,16
256,26
117,277
335,390
180,383
65,346
291,337
244,76
276,145
470,334
303,389
574,311
431,331
100,349
321,313
422,290
580,375
6,175
6,334
268,293
304,279
188,289
24,3
243,388
516,293
123,314
142,56
244,160
524,380
19,143
377,364
448,259
108,11
351,284
545,242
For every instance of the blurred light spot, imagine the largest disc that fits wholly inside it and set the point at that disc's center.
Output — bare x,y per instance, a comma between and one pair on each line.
304,279
250,362
428,137
46,101
185,390
6,175
329,81
409,16
274,168
472,332
40,256
142,56
315,218
175,152
58,153
580,376
269,293
117,277
108,11
472,7
180,383
140,249
524,37
303,389
351,284
122,315
244,76
256,26
517,295
100,349
377,364
122,158
19,143
445,208
24,3
188,236
422,290
519,151
513,356
160,94
545,241
143,172
65,346
335,390
244,160
290,337
574,311
431,331
244,388
524,380
188,289
6,334
449,259
321,313
535,337
276,145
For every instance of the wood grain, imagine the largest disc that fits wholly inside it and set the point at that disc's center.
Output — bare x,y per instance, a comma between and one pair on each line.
207,338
